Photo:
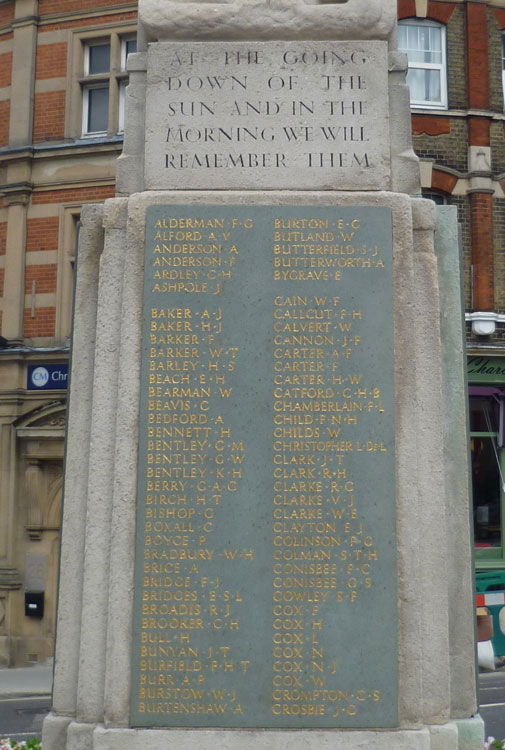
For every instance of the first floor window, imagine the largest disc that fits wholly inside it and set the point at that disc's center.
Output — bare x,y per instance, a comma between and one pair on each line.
95,109
104,84
424,43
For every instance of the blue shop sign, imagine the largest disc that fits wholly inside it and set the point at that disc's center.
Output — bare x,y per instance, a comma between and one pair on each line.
47,377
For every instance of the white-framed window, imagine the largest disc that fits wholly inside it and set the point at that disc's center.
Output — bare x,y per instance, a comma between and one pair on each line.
104,83
95,91
425,45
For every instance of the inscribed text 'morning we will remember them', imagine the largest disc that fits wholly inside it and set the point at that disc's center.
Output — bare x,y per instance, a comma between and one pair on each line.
265,589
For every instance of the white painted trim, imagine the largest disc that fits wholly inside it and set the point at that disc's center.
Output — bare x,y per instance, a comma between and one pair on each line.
484,323
498,317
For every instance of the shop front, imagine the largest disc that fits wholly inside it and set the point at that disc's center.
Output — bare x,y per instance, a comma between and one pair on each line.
486,387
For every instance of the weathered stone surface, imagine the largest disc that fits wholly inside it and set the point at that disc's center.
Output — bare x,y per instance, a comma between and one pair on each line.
267,19
97,551
456,472
254,740
77,463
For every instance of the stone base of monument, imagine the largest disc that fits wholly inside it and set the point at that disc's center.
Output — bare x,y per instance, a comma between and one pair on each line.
429,684
458,735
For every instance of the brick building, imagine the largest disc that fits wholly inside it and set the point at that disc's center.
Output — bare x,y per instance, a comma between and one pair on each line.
456,76
62,82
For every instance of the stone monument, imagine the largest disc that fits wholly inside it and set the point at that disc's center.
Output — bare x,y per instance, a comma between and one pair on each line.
266,528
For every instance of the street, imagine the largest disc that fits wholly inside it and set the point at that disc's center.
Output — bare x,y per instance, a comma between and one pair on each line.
492,702
22,717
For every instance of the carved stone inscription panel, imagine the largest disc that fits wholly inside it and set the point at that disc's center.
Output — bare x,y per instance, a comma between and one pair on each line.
265,590
271,114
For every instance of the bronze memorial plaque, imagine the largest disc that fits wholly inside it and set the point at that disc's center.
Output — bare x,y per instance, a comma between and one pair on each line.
265,589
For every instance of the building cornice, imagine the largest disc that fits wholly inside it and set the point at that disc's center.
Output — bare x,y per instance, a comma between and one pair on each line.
460,113
77,15
19,23
16,193
61,149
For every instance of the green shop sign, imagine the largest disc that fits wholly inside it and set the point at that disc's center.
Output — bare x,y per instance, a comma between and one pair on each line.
486,369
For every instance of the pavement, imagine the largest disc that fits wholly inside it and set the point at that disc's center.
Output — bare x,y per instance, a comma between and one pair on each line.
35,680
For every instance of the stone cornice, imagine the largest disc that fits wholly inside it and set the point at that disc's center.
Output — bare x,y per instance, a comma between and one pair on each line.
172,20
16,193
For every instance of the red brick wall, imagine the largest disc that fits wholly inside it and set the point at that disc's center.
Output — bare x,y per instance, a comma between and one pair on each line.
42,234
5,69
48,7
430,125
5,108
477,56
51,61
6,13
481,217
98,193
440,11
81,23
42,324
478,131
44,276
49,116
499,14
437,11
3,236
2,275
406,8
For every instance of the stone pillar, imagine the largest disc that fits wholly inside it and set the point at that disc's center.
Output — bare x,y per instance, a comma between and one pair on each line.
72,555
18,177
14,284
23,72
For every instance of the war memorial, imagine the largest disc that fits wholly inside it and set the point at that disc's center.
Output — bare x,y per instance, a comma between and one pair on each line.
267,379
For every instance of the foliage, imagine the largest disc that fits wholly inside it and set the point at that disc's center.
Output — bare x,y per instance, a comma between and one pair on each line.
33,743
491,744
